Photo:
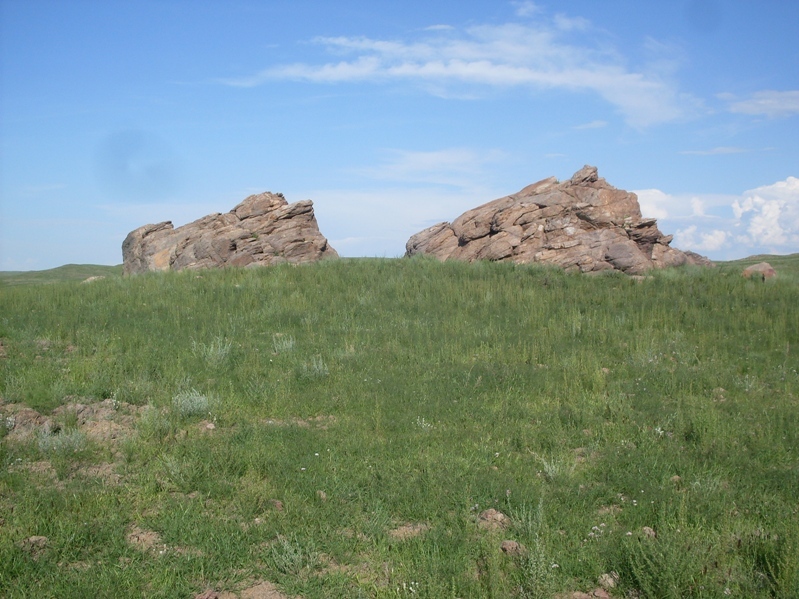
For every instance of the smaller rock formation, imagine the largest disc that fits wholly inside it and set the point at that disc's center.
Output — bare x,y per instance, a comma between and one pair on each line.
581,224
761,271
263,230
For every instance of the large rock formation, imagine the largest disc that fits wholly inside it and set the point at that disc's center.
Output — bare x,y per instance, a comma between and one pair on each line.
581,224
264,229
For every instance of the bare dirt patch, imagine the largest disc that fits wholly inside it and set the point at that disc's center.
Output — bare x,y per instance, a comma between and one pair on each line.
147,541
408,531
107,420
21,422
105,472
320,422
263,590
104,421
260,590
34,546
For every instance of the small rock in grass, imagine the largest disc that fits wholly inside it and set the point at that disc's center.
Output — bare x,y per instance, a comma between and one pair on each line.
761,271
609,580
512,548
492,519
649,532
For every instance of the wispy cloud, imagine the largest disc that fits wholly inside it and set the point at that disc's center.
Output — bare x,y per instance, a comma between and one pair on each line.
542,55
591,125
457,167
770,103
715,151
566,23
44,188
526,8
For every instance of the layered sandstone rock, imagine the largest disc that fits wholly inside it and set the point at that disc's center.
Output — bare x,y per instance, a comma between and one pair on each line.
581,224
263,230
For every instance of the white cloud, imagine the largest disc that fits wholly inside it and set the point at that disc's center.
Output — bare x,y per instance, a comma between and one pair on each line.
698,206
764,220
770,215
710,241
653,203
500,56
526,8
768,103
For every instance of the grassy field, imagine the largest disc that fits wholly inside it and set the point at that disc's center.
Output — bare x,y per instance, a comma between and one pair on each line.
68,272
384,428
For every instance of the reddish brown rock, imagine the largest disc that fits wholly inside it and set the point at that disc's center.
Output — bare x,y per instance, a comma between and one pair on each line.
581,224
761,271
263,230
512,548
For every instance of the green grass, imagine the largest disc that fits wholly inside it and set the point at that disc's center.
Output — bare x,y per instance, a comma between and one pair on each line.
286,423
786,266
69,272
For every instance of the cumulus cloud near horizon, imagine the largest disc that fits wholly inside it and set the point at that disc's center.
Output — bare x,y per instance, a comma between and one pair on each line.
764,220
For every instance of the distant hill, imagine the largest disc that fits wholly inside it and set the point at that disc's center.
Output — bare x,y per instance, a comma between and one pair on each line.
68,272
787,265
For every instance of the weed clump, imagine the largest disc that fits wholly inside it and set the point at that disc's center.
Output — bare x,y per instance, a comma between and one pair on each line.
191,403
61,441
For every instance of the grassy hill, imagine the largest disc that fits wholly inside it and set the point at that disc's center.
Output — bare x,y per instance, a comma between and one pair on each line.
378,428
68,272
786,266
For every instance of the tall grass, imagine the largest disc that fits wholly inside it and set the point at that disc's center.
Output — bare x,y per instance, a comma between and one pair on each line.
352,398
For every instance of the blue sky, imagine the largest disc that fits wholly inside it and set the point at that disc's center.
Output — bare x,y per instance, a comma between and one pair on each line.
392,116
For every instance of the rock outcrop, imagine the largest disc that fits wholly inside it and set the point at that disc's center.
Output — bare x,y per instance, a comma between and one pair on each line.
263,230
581,224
